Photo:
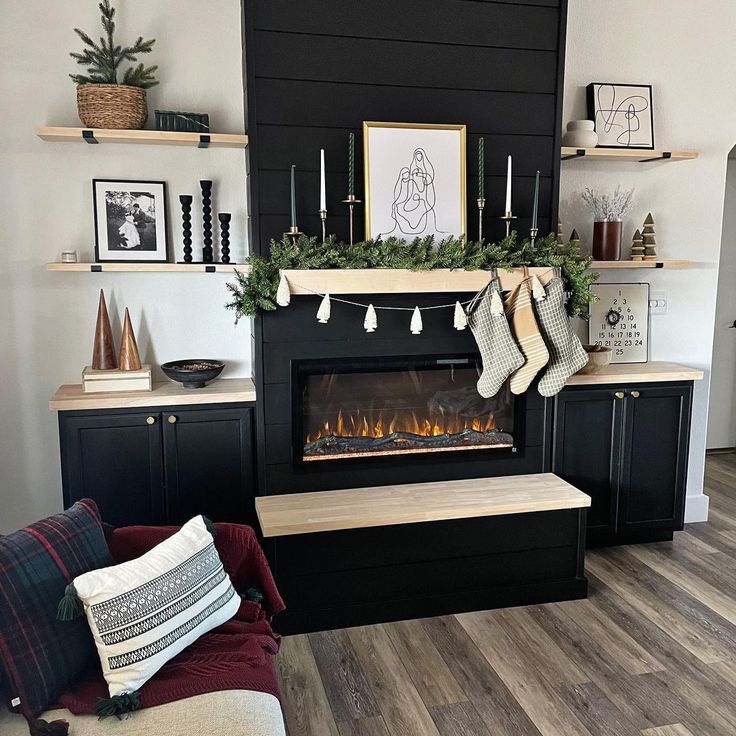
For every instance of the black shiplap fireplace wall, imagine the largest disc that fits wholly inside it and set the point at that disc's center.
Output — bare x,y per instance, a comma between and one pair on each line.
314,71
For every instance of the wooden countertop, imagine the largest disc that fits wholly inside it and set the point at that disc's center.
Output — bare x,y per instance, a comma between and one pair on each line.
651,372
220,391
303,513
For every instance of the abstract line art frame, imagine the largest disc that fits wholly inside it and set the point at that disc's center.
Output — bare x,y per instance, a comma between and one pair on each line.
622,113
415,180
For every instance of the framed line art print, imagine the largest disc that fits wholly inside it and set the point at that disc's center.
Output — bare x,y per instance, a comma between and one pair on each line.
130,221
414,180
622,114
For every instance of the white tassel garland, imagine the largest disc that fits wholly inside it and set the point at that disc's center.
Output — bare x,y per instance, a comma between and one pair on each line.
460,321
323,313
371,320
416,322
496,305
283,295
538,291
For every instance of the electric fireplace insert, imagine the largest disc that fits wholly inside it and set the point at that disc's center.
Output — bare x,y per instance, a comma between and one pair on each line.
389,407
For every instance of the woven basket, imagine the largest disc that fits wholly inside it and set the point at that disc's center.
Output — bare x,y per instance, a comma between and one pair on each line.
117,106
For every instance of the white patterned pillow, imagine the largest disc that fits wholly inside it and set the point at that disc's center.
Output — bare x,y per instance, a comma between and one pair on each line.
144,612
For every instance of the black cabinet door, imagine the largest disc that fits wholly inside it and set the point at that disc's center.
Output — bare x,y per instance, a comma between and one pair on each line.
209,464
655,440
587,449
116,460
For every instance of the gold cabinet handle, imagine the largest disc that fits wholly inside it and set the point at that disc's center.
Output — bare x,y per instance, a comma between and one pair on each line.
635,394
619,394
172,419
150,420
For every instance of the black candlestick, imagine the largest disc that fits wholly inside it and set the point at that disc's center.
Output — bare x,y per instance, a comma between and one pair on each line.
186,225
206,186
224,218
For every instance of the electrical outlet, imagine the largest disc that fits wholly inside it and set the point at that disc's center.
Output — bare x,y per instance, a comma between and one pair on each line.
658,302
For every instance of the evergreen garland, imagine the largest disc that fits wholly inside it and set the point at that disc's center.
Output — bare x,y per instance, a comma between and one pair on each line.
256,290
102,60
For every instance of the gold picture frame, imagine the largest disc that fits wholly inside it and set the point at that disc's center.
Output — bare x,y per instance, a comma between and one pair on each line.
402,200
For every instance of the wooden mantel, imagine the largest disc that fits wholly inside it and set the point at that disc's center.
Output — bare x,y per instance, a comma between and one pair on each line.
397,280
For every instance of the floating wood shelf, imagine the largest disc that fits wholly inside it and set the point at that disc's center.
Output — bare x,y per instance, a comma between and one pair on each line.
642,155
625,265
148,267
148,137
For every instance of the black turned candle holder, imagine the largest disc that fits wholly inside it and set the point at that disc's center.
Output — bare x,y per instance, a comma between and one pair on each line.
224,218
186,225
207,253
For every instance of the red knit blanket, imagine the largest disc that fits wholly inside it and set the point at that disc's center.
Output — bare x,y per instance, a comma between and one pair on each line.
235,656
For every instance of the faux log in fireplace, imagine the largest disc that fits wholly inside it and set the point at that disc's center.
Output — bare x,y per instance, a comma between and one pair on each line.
386,407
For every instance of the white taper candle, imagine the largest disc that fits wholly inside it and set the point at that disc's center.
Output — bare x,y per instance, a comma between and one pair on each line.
508,187
322,187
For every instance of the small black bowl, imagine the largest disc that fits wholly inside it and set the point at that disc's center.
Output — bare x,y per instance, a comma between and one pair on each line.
193,373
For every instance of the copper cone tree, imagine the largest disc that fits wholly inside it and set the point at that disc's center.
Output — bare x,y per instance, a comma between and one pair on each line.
103,352
129,358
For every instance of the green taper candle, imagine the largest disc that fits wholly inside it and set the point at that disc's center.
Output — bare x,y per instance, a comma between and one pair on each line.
351,164
481,168
293,198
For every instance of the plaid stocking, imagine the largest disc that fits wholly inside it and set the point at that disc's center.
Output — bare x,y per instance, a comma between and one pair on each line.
500,355
567,355
526,331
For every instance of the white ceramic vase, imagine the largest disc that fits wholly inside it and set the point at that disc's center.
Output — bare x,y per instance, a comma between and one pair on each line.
580,134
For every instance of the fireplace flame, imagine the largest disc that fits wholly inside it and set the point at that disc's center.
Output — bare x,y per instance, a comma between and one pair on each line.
359,424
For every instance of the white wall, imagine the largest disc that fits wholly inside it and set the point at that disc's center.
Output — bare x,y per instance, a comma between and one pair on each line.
722,409
47,319
687,51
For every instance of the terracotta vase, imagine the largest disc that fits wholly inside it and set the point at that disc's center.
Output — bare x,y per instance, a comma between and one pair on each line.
607,240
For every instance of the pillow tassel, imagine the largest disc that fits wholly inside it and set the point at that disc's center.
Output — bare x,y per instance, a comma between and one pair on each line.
118,706
210,526
70,607
253,594
55,728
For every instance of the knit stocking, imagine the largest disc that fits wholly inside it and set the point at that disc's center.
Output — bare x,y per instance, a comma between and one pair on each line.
500,355
526,331
566,354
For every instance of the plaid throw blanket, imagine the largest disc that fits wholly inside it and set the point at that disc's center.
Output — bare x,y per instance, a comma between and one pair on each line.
236,656
41,656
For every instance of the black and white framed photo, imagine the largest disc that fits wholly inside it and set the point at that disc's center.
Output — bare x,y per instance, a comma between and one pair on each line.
622,114
619,320
414,180
130,221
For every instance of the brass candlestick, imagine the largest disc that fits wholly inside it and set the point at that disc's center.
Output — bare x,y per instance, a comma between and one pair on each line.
323,218
481,204
351,201
293,232
533,234
507,219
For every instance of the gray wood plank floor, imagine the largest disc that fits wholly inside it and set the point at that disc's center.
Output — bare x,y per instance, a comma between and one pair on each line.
651,652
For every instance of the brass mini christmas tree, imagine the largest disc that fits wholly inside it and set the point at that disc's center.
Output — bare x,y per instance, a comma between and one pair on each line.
650,244
637,247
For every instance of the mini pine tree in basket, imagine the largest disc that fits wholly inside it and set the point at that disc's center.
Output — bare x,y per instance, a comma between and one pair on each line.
102,60
102,100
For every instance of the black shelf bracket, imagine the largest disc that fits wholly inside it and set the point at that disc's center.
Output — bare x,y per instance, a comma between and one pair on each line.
204,141
210,269
95,268
89,136
665,154
659,264
579,153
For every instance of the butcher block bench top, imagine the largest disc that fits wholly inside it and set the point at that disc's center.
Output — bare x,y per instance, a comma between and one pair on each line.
355,508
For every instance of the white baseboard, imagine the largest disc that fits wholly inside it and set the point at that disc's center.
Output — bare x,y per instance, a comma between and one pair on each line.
696,508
